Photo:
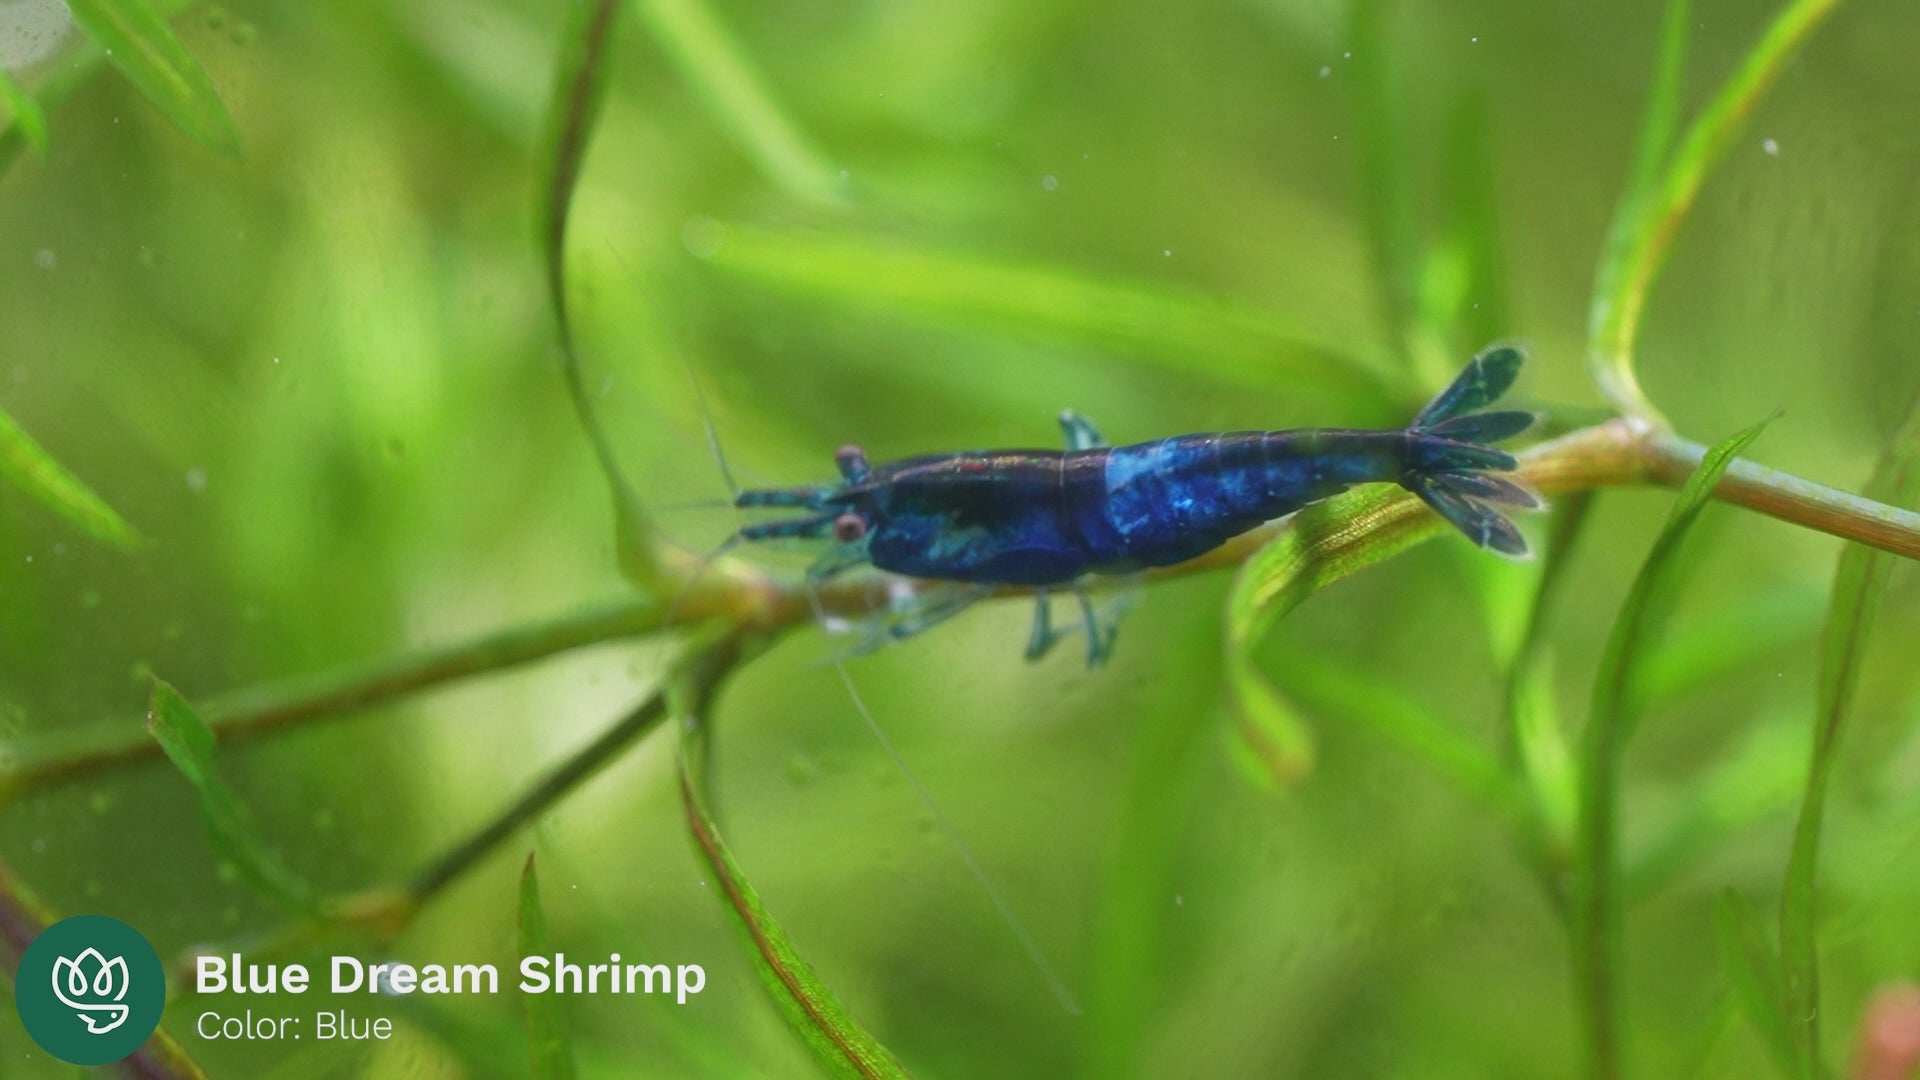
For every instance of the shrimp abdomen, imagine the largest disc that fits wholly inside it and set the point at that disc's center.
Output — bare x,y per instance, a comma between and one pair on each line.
1174,499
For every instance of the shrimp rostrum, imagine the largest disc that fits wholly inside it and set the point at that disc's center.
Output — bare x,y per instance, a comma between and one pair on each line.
1048,519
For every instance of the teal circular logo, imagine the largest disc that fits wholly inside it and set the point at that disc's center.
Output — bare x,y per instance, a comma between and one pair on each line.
90,989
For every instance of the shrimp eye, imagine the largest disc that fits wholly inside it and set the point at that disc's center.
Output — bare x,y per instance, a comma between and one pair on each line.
849,527
852,462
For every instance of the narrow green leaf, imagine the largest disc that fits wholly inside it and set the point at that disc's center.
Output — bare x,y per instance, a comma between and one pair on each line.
30,468
188,743
552,1056
1596,889
1753,972
1536,737
1546,762
1654,206
1268,738
1858,584
1328,541
726,80
1479,312
1386,184
1153,323
1610,353
28,116
580,79
80,64
838,1042
137,41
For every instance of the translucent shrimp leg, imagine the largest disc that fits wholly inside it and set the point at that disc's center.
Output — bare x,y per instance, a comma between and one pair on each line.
929,608
1043,636
1102,628
1102,631
931,613
1080,432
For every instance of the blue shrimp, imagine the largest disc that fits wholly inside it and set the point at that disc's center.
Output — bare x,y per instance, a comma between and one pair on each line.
1048,519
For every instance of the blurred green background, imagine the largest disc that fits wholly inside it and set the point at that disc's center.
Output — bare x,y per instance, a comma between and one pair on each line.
321,380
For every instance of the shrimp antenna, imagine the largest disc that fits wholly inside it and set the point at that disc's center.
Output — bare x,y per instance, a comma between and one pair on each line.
691,504
706,423
726,474
1038,958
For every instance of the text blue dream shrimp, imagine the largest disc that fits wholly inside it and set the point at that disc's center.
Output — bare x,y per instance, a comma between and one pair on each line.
1049,518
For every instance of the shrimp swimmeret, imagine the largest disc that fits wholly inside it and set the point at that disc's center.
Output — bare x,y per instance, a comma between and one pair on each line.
1049,518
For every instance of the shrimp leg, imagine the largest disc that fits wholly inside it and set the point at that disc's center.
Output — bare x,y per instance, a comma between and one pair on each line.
1043,636
1101,632
936,611
1101,628
1080,432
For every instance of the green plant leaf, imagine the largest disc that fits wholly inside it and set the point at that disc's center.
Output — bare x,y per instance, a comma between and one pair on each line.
188,743
137,41
1153,323
1536,737
1328,541
726,80
1386,182
82,61
1858,584
1268,738
552,1056
838,1042
1657,199
1596,889
1546,764
1610,345
1753,972
580,80
28,116
27,466
1470,236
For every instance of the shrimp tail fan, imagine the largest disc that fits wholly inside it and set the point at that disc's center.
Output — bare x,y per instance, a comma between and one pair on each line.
1451,465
